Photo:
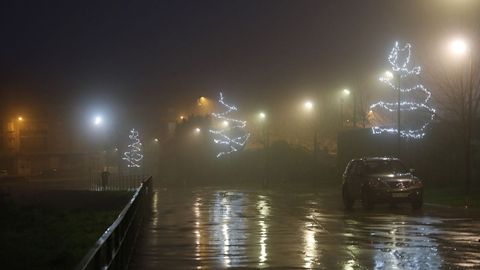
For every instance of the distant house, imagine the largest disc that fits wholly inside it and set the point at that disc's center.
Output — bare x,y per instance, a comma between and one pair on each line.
32,146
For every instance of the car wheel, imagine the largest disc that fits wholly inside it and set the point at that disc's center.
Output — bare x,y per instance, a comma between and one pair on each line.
347,199
417,203
367,200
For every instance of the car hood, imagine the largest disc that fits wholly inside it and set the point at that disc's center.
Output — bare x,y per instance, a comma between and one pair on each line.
393,177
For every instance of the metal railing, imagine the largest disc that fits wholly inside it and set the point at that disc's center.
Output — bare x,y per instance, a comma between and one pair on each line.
116,182
114,248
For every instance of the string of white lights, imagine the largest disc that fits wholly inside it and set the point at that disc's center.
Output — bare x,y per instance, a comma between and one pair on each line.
402,71
223,134
134,155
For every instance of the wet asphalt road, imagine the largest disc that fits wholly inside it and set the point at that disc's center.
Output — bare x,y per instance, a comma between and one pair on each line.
214,228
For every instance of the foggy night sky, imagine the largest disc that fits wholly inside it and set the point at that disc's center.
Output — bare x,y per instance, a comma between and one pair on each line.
154,53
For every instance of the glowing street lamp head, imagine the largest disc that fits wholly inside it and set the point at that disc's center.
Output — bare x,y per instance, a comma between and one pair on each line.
155,140
459,47
262,116
97,120
20,118
308,105
202,101
346,92
197,130
388,75
225,123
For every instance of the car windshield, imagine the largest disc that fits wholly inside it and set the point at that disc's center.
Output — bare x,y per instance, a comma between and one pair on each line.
385,167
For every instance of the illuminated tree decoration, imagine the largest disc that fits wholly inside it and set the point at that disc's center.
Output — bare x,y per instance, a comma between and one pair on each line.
415,112
230,132
134,155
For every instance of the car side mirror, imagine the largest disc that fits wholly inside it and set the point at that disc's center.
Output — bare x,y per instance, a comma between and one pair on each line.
412,171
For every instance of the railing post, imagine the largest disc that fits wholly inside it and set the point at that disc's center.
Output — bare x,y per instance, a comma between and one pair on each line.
113,249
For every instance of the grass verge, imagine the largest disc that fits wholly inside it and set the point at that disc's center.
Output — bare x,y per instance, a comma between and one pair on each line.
54,230
454,197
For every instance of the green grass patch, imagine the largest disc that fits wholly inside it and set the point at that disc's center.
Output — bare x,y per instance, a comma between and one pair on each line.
452,196
55,230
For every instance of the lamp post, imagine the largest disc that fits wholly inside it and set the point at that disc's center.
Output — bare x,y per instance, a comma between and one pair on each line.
262,118
388,75
460,47
399,128
309,107
345,93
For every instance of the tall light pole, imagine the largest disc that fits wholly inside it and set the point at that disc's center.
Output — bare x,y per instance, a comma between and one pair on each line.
460,47
345,93
388,75
399,127
309,108
262,118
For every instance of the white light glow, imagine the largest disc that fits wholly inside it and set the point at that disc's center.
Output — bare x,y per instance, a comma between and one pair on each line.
308,105
388,75
346,92
228,135
98,120
459,47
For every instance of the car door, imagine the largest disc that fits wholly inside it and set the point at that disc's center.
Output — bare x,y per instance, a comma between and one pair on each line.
348,176
357,178
347,172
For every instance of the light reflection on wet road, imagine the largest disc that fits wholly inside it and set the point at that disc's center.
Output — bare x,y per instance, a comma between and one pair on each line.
211,229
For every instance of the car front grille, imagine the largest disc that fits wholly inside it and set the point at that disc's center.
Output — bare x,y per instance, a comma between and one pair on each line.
399,185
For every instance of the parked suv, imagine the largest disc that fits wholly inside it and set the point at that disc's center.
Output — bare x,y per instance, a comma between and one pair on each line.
380,180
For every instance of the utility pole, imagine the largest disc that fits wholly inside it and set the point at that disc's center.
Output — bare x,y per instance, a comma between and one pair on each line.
399,134
468,152
341,113
354,122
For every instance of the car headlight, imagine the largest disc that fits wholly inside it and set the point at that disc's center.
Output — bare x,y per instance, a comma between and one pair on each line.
375,183
417,182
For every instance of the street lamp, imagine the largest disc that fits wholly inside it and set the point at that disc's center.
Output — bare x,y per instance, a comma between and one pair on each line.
461,48
388,76
308,105
345,94
262,117
97,120
197,130
20,118
458,47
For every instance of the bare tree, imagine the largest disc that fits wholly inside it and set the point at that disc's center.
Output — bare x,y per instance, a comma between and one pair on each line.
458,98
